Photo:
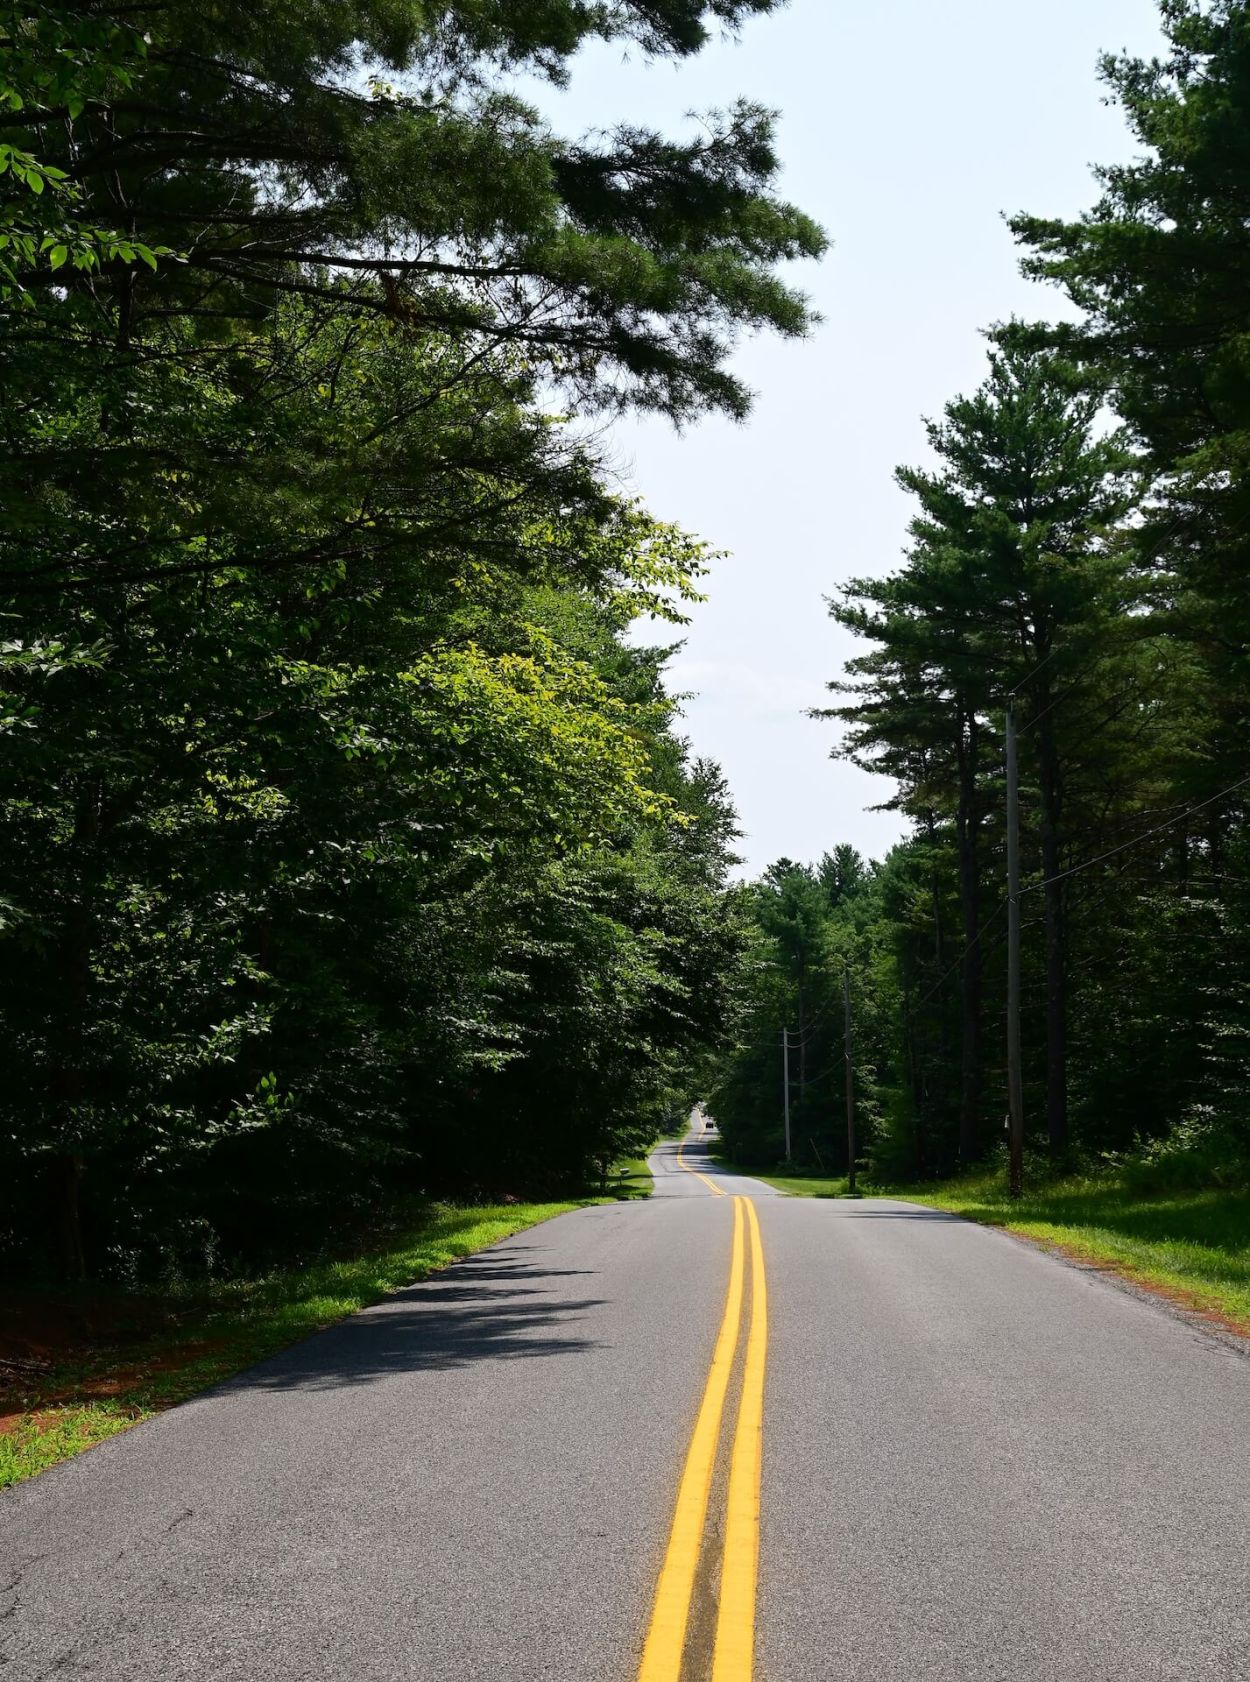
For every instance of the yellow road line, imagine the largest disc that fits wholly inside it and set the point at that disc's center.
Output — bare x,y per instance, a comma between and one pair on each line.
719,1190
734,1656
666,1637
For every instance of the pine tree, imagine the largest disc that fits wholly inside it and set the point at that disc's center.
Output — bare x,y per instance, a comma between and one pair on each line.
1011,587
1158,269
373,159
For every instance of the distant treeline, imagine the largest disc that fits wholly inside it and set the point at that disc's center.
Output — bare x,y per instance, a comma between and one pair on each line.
1080,547
349,848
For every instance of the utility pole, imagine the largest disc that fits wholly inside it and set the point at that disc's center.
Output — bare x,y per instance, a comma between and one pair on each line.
850,1084
1015,1078
785,1078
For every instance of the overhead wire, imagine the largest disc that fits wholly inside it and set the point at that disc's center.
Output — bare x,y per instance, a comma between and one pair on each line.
969,946
1073,870
1100,858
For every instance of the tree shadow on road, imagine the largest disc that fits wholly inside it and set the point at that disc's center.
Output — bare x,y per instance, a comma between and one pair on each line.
487,1310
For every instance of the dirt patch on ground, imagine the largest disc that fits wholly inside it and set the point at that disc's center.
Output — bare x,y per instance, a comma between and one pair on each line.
53,1327
59,1349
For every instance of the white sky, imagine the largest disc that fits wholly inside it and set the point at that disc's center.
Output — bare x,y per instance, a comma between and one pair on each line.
908,129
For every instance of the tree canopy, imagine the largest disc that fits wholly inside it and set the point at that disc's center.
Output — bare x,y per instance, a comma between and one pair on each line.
1078,548
352,846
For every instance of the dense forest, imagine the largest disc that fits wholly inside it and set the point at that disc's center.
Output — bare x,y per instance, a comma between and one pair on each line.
351,848
1080,551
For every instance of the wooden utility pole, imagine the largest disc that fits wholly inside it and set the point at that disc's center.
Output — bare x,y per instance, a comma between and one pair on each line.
1015,1078
850,1084
785,1081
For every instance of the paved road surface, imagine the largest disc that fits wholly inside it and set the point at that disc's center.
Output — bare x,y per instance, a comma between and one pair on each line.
978,1464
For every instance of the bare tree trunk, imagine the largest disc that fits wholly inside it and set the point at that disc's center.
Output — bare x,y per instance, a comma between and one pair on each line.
1056,940
967,825
64,1177
68,1081
802,1047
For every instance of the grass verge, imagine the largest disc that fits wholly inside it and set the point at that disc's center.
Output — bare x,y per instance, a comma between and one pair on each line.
803,1185
1191,1245
116,1381
630,1179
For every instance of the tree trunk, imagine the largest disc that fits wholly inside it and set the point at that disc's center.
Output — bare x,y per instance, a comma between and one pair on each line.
1056,940
68,1081
64,1177
941,1072
967,825
939,937
913,1074
802,1047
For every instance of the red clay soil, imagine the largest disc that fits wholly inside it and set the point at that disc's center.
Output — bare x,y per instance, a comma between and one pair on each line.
58,1348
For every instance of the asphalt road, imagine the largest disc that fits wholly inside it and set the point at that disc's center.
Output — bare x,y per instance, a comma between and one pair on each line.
978,1463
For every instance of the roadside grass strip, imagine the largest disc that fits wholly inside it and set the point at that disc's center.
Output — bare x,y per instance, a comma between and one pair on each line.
804,1185
71,1408
630,1179
38,1440
664,1652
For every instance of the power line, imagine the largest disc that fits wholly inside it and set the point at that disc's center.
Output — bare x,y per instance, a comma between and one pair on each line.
1076,869
1033,887
1011,693
947,973
1064,695
796,1042
1073,870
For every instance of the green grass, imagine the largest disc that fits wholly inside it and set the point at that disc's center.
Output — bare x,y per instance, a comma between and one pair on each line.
235,1326
630,1178
1192,1244
803,1185
40,1440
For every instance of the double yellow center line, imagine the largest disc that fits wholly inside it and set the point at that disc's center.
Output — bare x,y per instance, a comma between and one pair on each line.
734,1653
709,1183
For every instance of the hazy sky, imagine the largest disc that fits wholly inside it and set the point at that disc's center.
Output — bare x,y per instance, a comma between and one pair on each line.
908,129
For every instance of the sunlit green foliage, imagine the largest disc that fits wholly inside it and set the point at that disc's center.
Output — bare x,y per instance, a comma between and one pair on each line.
350,846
